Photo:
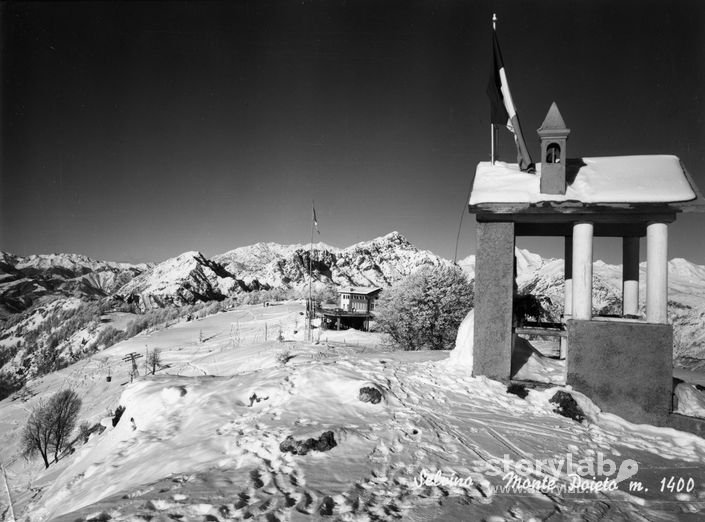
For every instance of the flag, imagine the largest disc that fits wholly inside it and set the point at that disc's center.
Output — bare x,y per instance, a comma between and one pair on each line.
315,219
502,111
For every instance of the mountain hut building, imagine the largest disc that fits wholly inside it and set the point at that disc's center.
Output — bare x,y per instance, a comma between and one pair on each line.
355,309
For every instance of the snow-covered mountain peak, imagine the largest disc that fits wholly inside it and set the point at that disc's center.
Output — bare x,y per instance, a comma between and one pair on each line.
527,261
391,240
185,259
686,269
186,278
258,253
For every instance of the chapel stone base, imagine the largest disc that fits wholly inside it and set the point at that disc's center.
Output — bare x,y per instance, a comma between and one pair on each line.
626,368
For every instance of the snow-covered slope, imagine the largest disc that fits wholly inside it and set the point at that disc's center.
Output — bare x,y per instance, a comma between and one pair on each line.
202,439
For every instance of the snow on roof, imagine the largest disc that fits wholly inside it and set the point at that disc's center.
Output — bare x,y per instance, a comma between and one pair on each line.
614,179
362,290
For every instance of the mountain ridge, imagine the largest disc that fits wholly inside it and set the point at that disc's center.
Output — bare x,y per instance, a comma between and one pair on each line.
25,280
191,276
62,282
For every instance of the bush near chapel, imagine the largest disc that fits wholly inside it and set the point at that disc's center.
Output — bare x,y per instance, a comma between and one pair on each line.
424,310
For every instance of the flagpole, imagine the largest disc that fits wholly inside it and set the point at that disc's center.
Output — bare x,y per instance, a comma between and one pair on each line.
492,135
309,337
493,131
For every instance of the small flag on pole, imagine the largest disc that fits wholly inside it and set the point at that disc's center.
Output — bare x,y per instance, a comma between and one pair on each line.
315,220
502,110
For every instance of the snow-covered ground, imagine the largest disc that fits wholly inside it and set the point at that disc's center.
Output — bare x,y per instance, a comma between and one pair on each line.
201,439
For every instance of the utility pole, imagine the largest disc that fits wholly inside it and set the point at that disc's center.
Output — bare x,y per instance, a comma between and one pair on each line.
309,304
132,357
9,497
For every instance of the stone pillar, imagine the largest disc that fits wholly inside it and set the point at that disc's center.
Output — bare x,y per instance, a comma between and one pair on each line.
568,271
567,290
657,273
494,298
630,276
582,271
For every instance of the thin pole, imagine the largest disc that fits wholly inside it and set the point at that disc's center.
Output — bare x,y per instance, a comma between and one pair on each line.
9,498
310,299
493,132
492,135
466,202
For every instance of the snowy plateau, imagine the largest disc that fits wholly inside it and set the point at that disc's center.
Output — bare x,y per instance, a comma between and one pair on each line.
202,439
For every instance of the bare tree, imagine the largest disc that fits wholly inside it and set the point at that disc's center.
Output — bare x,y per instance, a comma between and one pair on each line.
37,434
153,360
63,407
50,425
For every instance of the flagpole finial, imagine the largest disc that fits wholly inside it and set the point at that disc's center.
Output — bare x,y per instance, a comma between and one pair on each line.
494,21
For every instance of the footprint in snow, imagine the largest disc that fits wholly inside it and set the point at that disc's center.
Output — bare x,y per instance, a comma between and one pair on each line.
295,479
289,500
305,503
326,507
265,505
256,478
242,501
594,512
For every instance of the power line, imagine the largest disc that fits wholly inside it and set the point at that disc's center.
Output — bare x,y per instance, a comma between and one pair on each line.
460,223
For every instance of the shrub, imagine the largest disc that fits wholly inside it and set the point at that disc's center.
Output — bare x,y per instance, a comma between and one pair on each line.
9,383
530,307
47,360
50,424
84,431
321,294
118,415
108,337
7,353
283,356
424,310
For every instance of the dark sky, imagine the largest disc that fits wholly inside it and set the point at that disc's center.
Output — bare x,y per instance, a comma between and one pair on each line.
136,131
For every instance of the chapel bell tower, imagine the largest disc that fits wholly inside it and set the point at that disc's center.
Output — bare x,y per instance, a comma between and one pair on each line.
553,134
